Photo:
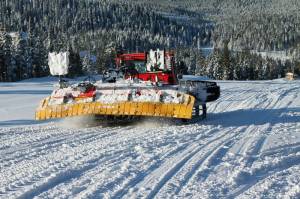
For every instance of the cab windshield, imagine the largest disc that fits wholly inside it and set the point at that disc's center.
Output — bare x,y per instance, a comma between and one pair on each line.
139,66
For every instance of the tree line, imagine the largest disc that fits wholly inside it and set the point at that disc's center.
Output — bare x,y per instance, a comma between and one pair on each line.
29,30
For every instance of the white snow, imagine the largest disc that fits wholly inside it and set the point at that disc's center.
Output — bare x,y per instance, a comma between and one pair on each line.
277,55
248,147
109,93
195,78
139,95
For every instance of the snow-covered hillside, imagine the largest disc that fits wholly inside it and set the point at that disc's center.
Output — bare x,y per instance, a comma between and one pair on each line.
276,55
248,147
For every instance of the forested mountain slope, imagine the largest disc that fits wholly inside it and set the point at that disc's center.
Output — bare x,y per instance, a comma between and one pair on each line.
78,25
29,29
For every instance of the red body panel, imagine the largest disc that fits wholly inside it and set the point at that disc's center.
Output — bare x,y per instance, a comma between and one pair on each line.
166,77
89,93
130,57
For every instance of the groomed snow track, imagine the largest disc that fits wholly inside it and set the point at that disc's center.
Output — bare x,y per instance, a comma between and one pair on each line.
248,147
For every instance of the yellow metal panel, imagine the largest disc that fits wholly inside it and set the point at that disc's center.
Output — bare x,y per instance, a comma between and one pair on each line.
139,110
48,112
80,109
92,108
64,112
75,109
37,115
97,108
59,111
145,108
86,108
41,114
187,110
132,108
115,109
70,110
163,110
101,109
176,110
127,108
104,109
109,109
183,111
157,109
151,109
170,111
53,112
121,108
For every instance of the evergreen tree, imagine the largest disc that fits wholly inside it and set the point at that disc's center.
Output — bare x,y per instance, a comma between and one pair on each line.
21,58
225,62
3,67
87,66
200,65
75,67
7,72
39,56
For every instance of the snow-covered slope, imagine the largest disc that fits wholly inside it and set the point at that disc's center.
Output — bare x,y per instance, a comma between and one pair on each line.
248,147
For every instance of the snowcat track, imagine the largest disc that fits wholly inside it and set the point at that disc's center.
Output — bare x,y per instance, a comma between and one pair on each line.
151,109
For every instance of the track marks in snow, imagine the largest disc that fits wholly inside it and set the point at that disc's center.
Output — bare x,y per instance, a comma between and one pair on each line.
249,146
266,169
203,164
283,184
53,162
183,164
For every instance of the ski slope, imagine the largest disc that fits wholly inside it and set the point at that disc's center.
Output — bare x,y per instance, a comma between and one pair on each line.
248,147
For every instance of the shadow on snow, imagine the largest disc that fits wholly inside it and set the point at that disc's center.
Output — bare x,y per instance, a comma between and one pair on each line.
20,122
25,92
246,117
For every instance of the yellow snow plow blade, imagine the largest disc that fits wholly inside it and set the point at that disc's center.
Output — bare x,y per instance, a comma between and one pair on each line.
128,108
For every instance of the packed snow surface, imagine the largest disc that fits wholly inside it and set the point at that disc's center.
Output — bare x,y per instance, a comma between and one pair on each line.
248,147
